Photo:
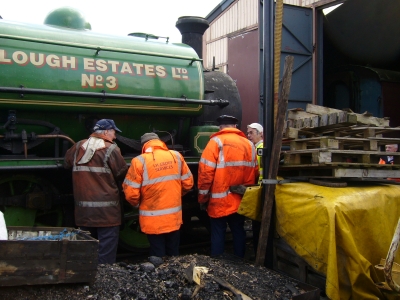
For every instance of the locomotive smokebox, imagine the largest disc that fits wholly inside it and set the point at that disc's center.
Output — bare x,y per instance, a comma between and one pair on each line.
192,30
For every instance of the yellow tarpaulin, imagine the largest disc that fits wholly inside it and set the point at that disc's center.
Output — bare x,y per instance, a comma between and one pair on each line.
341,232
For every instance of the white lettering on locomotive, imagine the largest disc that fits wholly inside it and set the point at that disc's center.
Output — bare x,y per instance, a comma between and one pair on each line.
40,60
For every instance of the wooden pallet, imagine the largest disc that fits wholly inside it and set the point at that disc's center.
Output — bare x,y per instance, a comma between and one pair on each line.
343,143
319,120
325,155
319,116
334,170
335,143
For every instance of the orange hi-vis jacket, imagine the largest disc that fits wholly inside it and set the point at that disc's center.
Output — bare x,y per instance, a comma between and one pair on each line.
228,159
156,181
384,161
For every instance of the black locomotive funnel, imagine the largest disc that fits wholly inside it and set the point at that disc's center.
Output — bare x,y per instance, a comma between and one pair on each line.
192,30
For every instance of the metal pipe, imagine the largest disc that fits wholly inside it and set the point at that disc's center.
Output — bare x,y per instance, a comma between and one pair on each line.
104,95
47,136
43,136
314,56
40,167
268,91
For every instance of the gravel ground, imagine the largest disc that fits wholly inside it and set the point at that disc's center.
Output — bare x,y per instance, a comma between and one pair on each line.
167,279
142,278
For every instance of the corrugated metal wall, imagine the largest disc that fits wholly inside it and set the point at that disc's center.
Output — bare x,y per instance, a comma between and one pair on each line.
232,41
241,16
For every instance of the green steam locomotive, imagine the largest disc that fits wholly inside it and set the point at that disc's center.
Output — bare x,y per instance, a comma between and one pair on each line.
58,79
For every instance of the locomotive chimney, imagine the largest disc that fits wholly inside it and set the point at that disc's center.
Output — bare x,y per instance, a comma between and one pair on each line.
192,30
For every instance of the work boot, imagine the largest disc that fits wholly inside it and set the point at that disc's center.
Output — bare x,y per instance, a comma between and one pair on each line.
238,189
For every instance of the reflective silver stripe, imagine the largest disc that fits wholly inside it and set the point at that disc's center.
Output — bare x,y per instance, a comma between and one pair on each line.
241,163
203,192
253,151
131,183
91,169
161,179
145,172
147,181
186,176
220,195
179,161
222,164
208,163
221,150
108,153
98,204
76,151
153,213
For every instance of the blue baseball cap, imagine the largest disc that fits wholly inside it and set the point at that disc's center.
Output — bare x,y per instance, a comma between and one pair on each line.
105,124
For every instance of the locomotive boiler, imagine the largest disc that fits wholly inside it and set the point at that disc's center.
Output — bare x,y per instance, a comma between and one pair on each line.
58,79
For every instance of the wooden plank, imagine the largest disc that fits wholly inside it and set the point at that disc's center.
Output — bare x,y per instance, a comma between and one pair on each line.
307,122
348,143
323,156
326,128
366,173
334,170
320,110
333,165
291,133
332,118
274,162
358,152
369,120
299,114
363,119
324,120
317,142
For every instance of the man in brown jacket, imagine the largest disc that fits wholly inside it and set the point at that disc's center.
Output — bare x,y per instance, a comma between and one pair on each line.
97,165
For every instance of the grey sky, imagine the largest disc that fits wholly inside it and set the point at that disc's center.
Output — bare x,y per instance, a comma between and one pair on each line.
116,17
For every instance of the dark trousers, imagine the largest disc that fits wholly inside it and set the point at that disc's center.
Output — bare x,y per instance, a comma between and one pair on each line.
164,244
218,230
108,242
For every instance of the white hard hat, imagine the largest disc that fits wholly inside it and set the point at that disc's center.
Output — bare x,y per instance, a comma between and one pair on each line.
256,126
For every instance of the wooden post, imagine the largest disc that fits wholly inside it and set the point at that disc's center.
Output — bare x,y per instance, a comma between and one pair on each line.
274,163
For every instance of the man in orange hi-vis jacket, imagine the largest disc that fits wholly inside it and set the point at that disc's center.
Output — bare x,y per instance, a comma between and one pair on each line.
389,159
229,159
156,181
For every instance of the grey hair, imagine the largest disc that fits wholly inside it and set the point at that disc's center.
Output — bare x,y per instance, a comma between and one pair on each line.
100,131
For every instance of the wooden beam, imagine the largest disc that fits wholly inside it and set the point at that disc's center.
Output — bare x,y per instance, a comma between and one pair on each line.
364,119
274,164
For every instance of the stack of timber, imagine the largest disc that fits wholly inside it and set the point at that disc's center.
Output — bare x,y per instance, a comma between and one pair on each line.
327,142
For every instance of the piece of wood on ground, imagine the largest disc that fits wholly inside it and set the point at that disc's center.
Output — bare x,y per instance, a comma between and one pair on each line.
230,287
